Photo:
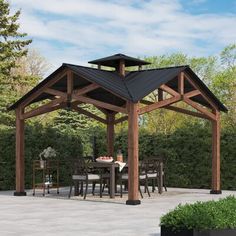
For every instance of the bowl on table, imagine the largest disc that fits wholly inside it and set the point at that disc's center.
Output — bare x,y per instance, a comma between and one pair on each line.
104,159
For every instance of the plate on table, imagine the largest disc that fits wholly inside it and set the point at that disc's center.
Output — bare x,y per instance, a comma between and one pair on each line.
104,159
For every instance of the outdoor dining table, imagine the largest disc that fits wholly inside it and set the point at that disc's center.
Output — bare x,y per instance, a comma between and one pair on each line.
111,166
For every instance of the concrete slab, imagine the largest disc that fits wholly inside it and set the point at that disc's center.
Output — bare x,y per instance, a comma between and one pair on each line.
57,215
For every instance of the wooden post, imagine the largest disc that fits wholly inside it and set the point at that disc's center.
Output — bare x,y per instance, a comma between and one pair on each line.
110,134
216,189
122,67
181,83
20,164
133,182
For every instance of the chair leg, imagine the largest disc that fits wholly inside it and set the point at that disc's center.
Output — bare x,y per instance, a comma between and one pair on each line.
70,190
121,189
101,188
86,189
146,186
94,186
153,185
139,187
164,183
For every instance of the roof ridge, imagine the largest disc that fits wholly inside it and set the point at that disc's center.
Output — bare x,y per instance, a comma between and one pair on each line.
162,68
69,64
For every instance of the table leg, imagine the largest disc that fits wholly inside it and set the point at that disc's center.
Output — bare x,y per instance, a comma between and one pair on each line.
160,179
112,181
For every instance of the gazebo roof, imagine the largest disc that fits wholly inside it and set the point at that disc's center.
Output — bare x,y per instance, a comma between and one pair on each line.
113,61
116,90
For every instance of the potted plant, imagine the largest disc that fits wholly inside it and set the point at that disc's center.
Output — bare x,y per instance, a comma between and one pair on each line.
48,152
212,218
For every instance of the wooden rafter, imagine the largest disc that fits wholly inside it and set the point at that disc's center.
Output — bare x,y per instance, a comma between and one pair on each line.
55,92
121,119
192,94
43,88
160,104
86,89
169,90
180,110
99,103
187,112
51,106
202,92
89,114
199,108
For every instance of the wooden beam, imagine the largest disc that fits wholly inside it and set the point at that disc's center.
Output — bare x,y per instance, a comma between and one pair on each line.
20,162
181,83
187,112
160,104
121,119
99,103
42,89
169,90
160,95
216,189
199,108
86,89
55,92
202,92
192,94
140,67
133,162
42,109
70,84
89,114
110,134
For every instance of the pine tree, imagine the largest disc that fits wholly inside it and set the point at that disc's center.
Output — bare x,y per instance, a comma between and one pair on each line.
12,42
12,48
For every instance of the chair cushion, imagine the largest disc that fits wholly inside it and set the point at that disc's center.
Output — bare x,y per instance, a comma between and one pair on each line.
142,176
152,175
125,176
83,177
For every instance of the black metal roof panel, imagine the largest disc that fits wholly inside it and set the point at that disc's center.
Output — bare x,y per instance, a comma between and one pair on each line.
113,61
109,80
142,83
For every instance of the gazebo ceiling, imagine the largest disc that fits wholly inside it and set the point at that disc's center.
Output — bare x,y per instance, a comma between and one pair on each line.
116,90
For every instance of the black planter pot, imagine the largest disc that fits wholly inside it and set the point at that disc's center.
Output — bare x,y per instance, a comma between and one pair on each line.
192,232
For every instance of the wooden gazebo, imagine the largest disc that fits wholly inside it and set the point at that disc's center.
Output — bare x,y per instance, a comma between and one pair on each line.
118,91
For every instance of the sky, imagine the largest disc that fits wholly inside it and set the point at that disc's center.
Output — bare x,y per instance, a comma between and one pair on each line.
76,31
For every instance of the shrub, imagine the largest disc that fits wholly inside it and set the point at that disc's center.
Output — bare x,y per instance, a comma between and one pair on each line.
202,215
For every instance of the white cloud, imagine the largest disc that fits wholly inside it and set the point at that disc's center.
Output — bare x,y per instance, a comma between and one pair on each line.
86,29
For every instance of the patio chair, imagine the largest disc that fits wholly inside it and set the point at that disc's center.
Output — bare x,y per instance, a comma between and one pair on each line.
123,179
83,174
152,170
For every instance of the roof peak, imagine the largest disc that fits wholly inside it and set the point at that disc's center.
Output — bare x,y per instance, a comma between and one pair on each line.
113,61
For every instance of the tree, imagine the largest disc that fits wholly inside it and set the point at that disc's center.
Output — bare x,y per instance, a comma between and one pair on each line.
12,42
12,47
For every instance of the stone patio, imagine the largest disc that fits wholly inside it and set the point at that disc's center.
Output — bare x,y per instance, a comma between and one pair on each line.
57,215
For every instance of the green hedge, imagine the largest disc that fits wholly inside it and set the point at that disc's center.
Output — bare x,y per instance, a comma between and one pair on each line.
188,152
68,146
202,215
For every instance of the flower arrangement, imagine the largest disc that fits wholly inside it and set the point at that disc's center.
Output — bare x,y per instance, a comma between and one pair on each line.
47,153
